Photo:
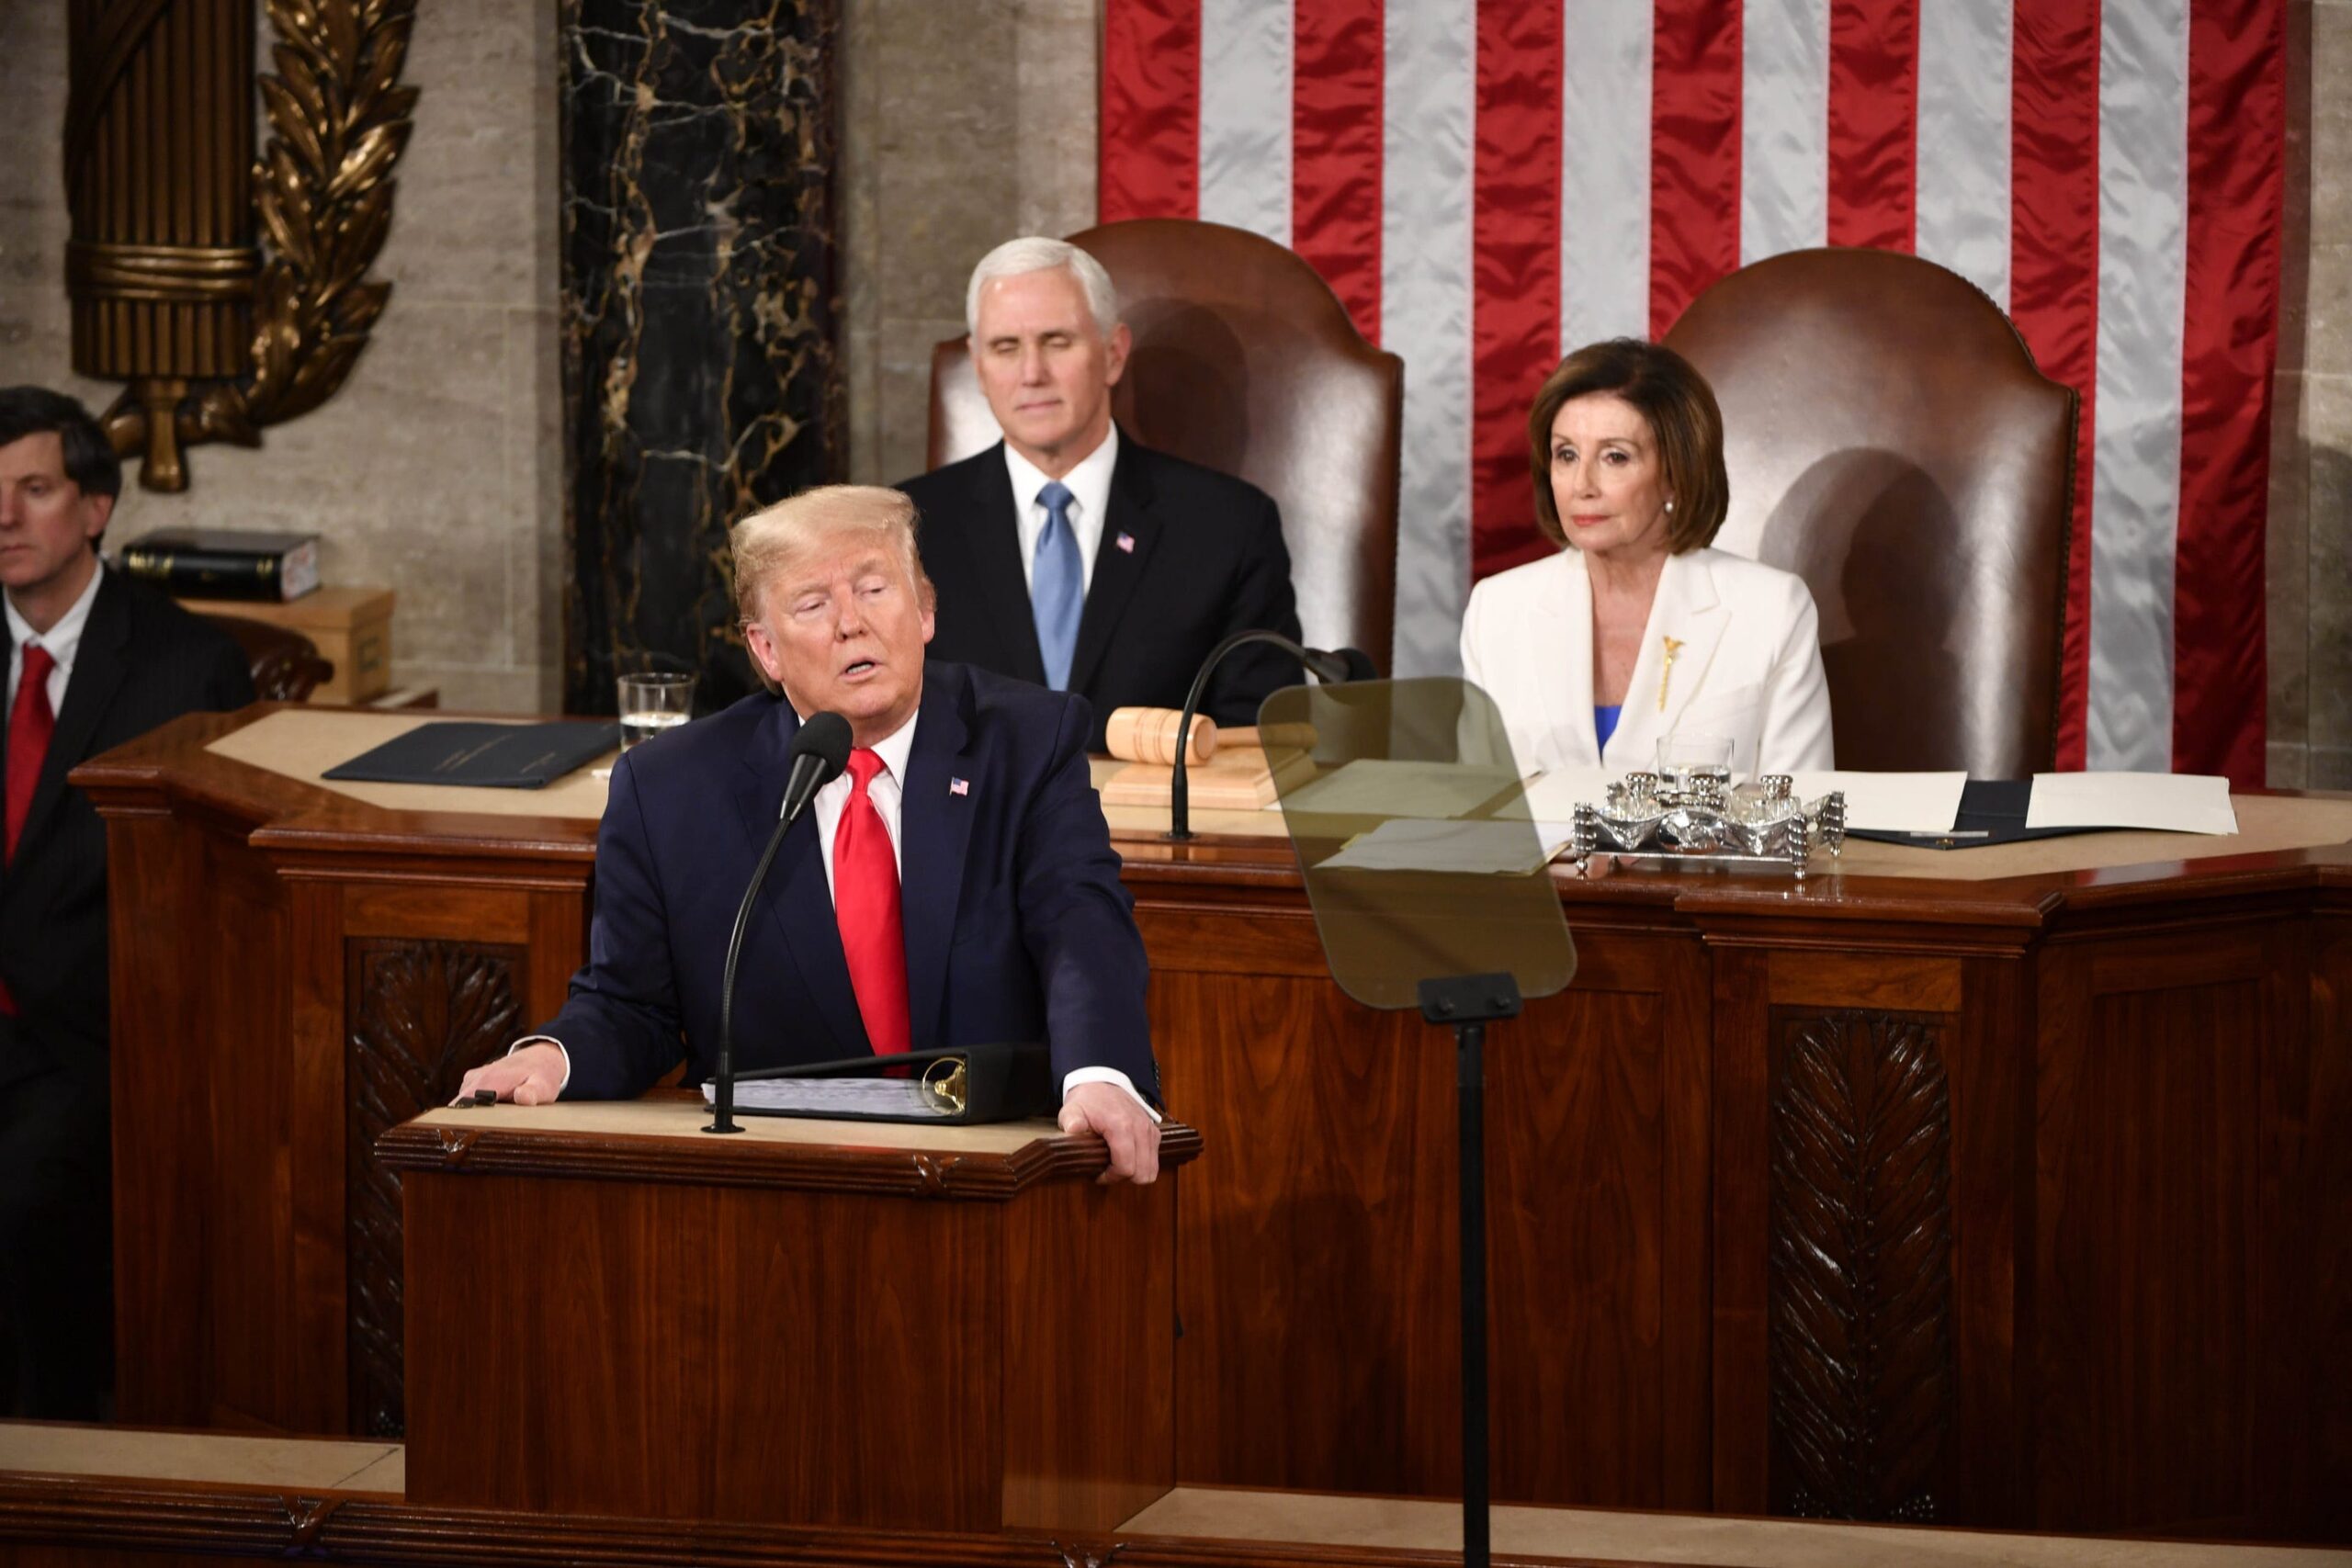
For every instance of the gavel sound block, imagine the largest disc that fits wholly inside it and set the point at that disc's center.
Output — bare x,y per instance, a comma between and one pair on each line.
1225,769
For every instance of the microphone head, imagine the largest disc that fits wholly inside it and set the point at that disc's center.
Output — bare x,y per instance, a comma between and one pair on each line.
825,737
1336,665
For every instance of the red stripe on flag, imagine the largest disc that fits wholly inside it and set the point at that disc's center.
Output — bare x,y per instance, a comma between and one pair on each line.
1336,59
1336,149
2053,272
1694,153
1149,158
1874,122
2229,349
1515,270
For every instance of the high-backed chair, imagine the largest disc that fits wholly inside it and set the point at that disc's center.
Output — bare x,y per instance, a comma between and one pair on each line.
1890,441
1245,361
287,665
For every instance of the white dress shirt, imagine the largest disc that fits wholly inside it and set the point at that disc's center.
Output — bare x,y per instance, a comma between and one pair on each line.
63,640
886,790
1090,488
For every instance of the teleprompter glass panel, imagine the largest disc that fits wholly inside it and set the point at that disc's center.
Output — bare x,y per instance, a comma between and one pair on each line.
1422,857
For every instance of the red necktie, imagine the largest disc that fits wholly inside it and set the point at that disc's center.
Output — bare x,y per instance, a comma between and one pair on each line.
866,907
31,724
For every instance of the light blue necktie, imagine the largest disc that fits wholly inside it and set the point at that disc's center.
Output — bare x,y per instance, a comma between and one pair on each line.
1057,586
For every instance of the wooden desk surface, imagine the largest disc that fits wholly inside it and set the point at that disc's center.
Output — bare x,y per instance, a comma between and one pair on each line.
2100,1118
659,1139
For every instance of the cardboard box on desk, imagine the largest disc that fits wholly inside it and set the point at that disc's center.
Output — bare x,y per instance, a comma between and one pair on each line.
353,626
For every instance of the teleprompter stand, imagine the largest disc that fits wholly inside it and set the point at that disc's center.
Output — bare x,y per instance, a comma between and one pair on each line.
1469,1003
1426,875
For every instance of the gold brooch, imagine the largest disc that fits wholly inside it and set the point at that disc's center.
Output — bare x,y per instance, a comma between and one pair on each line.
1673,646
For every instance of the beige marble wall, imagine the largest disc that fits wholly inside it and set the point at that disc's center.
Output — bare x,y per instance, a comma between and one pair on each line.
2311,490
436,470
965,124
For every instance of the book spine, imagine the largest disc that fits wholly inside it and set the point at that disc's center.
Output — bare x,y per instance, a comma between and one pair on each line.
217,574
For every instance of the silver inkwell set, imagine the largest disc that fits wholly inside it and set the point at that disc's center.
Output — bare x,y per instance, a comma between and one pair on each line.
1688,809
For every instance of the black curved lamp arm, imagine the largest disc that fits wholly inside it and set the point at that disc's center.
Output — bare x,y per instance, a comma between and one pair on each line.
723,1098
1329,668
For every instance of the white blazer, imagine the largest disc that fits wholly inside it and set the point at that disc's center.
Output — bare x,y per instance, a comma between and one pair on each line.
1747,664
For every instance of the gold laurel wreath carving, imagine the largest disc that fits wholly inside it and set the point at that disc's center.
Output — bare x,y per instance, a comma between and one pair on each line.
339,120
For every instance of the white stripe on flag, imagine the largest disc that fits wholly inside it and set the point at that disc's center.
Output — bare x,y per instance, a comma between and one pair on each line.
1428,103
1783,128
1604,172
1246,115
2135,461
1963,152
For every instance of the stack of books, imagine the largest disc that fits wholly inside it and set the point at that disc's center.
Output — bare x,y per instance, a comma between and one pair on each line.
224,563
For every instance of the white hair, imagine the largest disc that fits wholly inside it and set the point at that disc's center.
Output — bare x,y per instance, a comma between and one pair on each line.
1035,252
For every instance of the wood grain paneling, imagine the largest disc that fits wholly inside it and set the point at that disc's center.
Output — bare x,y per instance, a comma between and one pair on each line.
1317,1287
695,1353
163,1126
421,1015
1090,1438
1863,1405
2148,1074
2145,1191
1588,1095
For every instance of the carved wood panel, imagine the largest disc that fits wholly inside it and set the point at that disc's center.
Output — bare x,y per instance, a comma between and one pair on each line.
418,1014
1863,1401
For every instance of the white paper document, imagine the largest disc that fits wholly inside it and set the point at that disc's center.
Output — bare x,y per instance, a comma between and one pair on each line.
1379,787
1890,803
1555,797
1480,849
835,1096
2174,802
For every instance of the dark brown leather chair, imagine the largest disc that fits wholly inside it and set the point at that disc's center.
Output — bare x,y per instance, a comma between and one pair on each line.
285,665
1246,362
1890,441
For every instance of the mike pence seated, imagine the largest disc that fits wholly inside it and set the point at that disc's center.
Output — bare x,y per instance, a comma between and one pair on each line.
1070,554
956,887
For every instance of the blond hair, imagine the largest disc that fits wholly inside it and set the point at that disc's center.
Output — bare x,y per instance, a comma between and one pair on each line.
774,540
770,542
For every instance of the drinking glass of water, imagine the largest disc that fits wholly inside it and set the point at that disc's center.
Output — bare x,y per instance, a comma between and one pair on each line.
1693,764
653,701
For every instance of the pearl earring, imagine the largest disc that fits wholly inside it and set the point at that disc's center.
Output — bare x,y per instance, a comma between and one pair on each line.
1669,506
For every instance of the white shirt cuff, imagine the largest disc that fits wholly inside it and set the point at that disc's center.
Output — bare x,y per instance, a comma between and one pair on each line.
1110,1076
550,1039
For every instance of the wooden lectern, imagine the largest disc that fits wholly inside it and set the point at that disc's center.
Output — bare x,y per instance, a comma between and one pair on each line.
810,1323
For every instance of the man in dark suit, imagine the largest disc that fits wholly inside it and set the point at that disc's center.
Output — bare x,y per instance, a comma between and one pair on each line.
92,660
956,887
1070,555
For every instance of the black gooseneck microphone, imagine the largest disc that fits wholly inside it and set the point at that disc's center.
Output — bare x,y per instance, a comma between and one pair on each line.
1332,668
820,752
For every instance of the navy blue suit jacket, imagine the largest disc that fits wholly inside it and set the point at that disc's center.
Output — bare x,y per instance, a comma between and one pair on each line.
1017,926
143,662
1207,560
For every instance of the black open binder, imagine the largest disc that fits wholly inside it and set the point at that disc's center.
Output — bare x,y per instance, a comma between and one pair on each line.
960,1085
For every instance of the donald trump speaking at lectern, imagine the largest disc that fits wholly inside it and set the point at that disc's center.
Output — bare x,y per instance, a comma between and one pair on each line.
955,886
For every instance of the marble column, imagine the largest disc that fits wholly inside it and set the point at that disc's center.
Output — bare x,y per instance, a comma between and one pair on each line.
701,373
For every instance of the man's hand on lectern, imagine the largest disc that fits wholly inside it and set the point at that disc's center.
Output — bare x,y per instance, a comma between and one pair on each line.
532,1076
1123,1124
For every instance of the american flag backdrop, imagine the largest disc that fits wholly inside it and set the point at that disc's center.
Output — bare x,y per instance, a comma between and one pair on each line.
1488,183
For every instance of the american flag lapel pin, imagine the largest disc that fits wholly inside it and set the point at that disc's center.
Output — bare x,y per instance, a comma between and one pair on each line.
958,786
1126,543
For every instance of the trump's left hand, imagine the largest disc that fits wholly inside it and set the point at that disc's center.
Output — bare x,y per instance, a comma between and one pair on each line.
1123,1124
